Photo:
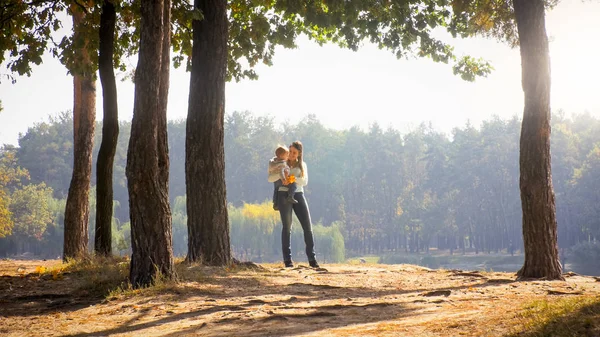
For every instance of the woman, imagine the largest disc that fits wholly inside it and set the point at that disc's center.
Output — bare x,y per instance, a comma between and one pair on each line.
299,171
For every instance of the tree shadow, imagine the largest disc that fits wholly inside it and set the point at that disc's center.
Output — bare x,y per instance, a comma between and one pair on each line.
261,305
297,311
320,318
31,295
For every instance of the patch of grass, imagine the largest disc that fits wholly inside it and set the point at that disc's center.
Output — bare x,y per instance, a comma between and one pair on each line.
186,273
573,316
109,277
160,285
96,275
191,272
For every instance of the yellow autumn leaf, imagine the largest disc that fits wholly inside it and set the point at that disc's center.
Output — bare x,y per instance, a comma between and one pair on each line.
291,179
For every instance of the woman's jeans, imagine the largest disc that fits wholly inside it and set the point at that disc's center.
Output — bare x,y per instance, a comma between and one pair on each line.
303,215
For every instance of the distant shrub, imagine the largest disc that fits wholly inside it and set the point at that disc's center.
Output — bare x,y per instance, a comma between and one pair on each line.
430,262
329,243
585,258
400,259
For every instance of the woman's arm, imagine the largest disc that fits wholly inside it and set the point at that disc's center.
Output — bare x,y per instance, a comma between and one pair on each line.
302,181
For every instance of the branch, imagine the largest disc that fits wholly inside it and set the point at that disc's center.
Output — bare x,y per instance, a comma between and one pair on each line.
82,6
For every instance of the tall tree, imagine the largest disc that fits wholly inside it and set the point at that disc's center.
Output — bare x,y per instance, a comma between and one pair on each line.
497,19
110,131
537,194
147,156
84,116
208,225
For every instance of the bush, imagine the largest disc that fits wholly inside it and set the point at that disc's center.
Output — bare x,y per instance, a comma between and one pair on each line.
256,236
430,262
329,243
400,259
585,258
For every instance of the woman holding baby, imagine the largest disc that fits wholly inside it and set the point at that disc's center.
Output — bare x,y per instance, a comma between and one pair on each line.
297,204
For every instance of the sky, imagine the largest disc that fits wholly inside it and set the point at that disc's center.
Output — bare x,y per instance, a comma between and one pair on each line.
343,88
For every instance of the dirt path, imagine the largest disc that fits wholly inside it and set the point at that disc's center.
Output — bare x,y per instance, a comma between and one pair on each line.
338,300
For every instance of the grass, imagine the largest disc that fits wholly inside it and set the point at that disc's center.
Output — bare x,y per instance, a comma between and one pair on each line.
96,275
184,272
109,277
574,316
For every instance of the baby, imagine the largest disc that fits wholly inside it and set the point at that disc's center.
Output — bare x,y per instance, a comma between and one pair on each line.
279,164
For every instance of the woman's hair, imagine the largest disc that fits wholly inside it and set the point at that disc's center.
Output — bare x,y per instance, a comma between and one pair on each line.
298,146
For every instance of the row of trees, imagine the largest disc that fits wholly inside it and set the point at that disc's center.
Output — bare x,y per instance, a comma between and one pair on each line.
402,27
31,222
386,191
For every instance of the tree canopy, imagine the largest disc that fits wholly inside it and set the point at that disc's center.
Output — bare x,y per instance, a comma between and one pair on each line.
256,28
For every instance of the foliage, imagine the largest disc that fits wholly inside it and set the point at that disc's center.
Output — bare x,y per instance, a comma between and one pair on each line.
401,259
329,243
11,176
585,258
122,239
180,231
385,191
6,221
489,18
256,29
256,235
46,150
252,231
31,210
26,29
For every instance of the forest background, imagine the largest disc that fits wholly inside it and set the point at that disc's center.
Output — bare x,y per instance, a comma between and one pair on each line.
422,197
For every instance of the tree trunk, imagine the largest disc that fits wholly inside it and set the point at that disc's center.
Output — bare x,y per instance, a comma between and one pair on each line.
84,116
110,132
208,225
147,156
537,195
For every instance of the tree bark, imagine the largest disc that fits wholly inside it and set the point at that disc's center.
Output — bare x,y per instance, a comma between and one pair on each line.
537,194
110,132
147,156
84,116
208,225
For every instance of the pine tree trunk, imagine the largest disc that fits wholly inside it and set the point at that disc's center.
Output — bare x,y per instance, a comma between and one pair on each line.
147,155
208,225
84,116
537,194
110,132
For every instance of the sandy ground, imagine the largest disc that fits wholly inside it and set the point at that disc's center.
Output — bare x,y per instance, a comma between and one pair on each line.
336,300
